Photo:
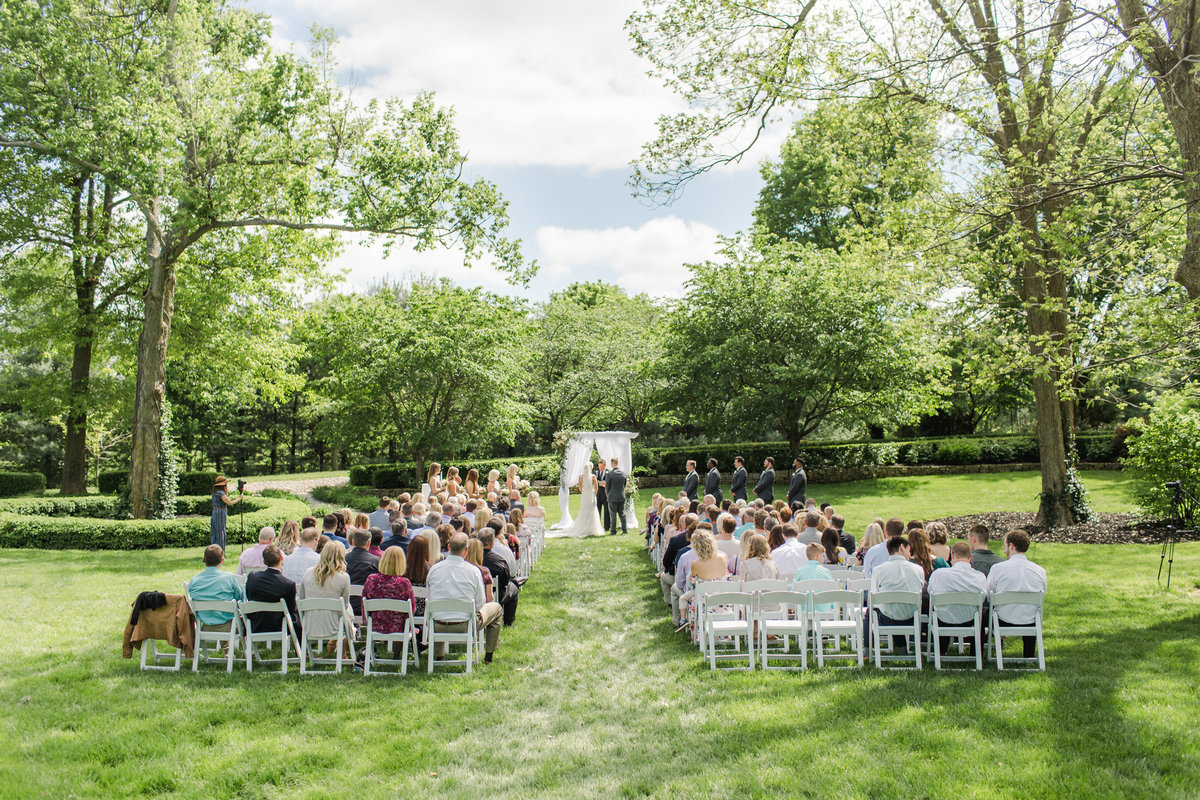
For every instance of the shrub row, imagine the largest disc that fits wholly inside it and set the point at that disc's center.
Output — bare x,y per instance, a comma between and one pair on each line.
59,529
1096,447
17,483
190,483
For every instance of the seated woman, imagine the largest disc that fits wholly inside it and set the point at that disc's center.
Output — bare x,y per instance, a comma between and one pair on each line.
327,579
289,537
939,540
483,515
918,543
434,544
475,556
534,508
417,570
758,564
709,564
872,536
516,518
389,584
376,540
834,552
470,486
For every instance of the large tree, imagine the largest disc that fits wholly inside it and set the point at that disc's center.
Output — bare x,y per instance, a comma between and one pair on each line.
201,128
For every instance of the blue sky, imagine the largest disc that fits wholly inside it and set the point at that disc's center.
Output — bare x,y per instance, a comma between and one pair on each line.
552,106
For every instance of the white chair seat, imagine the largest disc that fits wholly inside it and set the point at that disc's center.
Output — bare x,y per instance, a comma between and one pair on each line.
344,634
252,638
406,637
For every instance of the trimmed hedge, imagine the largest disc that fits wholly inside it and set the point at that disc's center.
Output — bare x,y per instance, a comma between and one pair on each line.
73,523
17,483
190,483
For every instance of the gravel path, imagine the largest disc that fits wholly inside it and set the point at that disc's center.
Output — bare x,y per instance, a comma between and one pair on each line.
300,487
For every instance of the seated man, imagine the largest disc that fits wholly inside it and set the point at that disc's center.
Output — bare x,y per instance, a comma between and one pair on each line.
270,586
898,574
213,584
845,540
360,564
379,517
812,569
252,558
810,534
500,547
982,557
454,578
506,592
878,554
1017,574
399,537
329,528
789,556
961,577
303,557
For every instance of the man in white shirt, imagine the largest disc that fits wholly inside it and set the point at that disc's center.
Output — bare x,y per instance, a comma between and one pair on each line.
453,578
960,577
789,556
877,554
1017,574
379,517
304,556
810,534
898,574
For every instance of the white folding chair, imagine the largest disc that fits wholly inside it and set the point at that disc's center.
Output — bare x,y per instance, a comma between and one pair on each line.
251,638
790,619
693,613
432,637
227,636
344,634
1000,628
160,661
406,637
718,625
241,579
845,619
765,585
907,628
356,591
973,629
248,571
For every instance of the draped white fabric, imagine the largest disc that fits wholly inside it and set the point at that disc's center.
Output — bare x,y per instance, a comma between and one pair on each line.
609,444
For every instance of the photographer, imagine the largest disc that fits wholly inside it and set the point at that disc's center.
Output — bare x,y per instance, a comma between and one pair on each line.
220,508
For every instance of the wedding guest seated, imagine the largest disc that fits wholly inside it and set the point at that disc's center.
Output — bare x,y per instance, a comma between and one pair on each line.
534,509
831,544
775,537
812,570
454,578
789,556
271,586
213,584
409,515
725,541
872,536
939,536
746,524
960,577
362,521
389,584
360,564
444,532
897,574
326,580
892,529
399,537
379,517
417,569
846,540
502,546
252,558
434,543
1017,574
758,564
811,534
331,524
918,542
322,540
982,557
507,593
514,500
704,563
376,541
308,522
289,537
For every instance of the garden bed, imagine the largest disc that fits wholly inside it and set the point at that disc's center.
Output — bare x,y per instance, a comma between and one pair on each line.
1128,528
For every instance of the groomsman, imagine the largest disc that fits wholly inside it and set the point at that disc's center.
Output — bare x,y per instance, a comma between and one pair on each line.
764,489
712,481
602,493
738,487
798,486
691,482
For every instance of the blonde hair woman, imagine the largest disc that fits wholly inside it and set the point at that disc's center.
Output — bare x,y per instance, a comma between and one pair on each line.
533,506
362,521
872,536
289,537
482,517
435,545
493,482
389,584
758,564
475,556
433,477
939,537
453,485
327,579
512,480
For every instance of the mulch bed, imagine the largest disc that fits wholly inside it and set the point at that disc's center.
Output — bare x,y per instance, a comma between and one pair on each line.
1100,529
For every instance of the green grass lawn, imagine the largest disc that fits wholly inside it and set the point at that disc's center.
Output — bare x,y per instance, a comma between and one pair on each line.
592,695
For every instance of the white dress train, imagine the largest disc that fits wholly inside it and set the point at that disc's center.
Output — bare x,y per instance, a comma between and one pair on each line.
588,522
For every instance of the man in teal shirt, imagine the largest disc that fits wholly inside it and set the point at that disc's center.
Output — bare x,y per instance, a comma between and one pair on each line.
813,571
213,584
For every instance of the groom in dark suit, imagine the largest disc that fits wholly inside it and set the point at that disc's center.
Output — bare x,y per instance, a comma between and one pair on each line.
616,498
738,486
602,493
765,488
712,481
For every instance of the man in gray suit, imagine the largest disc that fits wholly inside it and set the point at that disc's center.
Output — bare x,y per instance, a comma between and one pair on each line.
765,488
691,481
712,481
616,498
798,486
738,486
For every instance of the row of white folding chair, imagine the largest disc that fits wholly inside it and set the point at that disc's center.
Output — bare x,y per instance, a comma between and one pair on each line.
471,638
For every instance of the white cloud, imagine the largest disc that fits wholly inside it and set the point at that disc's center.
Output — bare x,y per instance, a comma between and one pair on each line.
364,265
649,259
533,82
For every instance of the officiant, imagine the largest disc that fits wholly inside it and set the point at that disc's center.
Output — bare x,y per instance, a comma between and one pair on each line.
602,494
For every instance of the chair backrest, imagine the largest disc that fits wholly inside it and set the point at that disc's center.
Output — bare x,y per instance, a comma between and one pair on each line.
729,599
356,590
896,598
252,570
448,606
765,585
228,606
248,607
241,579
1017,599
859,585
815,585
842,597
320,604
782,597
973,599
420,592
705,588
388,604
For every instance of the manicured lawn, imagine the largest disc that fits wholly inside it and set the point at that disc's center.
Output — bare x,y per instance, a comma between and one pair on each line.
592,695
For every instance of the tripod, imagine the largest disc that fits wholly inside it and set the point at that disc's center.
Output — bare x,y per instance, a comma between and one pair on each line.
1183,512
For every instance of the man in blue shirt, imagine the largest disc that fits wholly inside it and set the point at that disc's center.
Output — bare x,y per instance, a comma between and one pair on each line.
213,584
330,530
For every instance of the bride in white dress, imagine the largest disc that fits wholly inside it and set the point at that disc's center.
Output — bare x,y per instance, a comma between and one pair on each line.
588,521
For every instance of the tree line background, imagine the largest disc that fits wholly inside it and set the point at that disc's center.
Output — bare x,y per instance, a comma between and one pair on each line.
985,219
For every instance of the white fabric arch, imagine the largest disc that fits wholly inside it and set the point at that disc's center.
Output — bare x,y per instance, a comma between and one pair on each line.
610,445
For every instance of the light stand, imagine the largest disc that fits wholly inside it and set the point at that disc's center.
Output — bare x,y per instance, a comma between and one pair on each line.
1183,512
242,516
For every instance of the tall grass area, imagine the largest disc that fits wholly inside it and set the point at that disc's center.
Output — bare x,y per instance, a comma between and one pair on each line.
593,695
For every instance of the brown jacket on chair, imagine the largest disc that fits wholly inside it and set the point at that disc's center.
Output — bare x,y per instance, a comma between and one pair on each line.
171,623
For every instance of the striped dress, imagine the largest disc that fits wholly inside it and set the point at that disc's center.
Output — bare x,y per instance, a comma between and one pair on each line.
220,515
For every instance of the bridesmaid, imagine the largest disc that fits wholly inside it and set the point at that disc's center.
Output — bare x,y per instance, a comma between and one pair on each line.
471,484
433,478
453,487
513,481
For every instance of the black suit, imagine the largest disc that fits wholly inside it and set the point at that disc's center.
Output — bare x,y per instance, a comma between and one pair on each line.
675,546
616,501
690,484
764,489
737,487
505,591
269,586
712,485
360,565
797,487
602,498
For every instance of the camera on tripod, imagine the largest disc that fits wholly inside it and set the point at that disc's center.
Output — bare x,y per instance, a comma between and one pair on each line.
241,484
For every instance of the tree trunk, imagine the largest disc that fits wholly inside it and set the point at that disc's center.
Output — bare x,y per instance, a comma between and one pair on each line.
74,476
335,453
159,301
295,433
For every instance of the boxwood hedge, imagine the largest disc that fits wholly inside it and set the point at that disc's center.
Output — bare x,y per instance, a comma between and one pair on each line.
16,483
85,523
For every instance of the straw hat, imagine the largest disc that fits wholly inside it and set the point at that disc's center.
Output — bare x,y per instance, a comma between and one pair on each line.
221,481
